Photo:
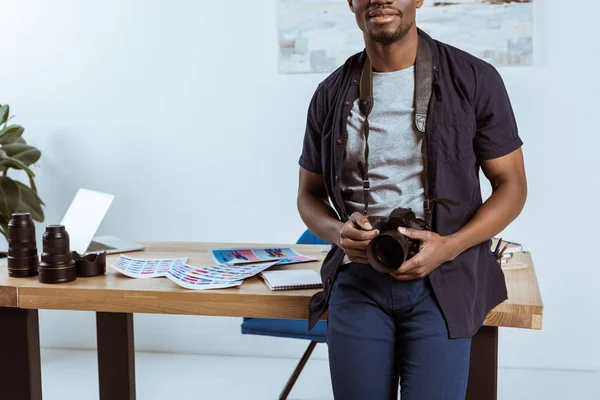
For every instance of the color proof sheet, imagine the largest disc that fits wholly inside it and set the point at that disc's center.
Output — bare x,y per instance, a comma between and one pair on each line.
249,256
199,278
145,268
228,273
188,277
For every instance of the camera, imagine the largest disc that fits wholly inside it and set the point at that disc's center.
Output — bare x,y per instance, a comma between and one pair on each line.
390,249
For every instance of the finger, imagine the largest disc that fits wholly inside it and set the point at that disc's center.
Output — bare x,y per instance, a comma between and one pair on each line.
415,233
361,221
410,266
356,253
360,260
358,256
415,273
348,244
358,235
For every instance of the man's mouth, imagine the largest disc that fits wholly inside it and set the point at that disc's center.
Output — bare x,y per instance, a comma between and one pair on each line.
383,12
383,15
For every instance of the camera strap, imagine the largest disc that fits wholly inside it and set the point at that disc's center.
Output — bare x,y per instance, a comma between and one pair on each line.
423,87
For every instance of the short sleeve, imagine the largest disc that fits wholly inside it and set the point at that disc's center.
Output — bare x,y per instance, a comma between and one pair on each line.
310,159
497,131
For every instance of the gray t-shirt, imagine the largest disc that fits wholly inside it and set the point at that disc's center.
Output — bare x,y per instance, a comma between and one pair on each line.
395,158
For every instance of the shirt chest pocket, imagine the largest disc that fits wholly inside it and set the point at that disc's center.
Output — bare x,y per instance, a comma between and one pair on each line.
456,135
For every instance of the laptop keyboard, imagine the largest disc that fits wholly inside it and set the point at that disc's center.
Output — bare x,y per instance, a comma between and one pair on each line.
95,246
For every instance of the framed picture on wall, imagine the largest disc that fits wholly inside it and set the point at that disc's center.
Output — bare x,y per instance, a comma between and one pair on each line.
317,36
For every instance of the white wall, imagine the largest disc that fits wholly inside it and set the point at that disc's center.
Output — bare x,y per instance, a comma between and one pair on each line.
133,97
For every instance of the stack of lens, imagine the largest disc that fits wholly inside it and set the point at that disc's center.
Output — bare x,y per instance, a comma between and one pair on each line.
22,247
57,264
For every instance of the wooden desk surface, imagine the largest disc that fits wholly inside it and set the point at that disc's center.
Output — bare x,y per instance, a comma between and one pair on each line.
524,307
9,286
115,292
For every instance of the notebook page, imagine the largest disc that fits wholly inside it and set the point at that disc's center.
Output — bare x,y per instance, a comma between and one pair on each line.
291,279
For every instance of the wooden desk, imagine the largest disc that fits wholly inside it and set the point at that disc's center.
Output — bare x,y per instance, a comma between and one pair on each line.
115,298
8,287
117,293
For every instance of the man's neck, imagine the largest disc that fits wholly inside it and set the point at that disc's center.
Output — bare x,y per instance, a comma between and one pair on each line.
396,56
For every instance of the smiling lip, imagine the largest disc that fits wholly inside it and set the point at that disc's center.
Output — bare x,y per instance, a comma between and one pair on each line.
379,13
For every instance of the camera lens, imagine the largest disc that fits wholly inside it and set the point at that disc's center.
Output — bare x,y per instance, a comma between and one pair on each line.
22,253
22,247
388,251
57,265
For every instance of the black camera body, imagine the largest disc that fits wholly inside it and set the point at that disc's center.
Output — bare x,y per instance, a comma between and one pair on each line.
390,249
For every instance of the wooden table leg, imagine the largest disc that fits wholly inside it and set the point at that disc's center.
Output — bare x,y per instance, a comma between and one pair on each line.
20,365
116,357
483,370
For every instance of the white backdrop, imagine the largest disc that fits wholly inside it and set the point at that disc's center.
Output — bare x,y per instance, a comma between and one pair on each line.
149,100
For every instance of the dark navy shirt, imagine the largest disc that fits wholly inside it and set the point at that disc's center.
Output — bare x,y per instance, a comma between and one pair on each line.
470,119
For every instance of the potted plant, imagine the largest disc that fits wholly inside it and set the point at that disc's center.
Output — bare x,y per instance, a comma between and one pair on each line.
15,153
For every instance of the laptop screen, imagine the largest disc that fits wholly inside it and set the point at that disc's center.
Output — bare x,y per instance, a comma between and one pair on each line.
84,216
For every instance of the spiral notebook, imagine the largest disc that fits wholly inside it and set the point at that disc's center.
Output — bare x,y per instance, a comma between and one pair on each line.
291,279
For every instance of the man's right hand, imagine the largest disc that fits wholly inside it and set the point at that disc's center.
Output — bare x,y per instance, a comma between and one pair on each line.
355,236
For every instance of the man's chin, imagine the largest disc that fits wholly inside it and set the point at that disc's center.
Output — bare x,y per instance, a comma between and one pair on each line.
386,37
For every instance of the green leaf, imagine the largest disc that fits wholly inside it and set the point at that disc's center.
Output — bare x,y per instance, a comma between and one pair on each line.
10,196
20,141
30,202
4,225
11,133
22,152
7,162
34,189
4,113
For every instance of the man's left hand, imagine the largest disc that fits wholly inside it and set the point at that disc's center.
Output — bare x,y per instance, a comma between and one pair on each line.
433,252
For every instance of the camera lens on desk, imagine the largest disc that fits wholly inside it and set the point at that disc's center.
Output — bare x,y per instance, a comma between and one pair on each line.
22,247
57,264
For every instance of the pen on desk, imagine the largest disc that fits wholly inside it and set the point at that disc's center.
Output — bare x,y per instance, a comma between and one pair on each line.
497,247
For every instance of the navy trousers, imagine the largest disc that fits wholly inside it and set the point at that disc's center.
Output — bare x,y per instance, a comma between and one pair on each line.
382,332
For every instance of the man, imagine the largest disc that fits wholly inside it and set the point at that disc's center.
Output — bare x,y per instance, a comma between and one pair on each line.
436,115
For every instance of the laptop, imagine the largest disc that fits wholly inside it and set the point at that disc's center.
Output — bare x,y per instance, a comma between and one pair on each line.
82,220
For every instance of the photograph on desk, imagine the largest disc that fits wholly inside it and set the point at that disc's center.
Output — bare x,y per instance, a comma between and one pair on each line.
242,256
